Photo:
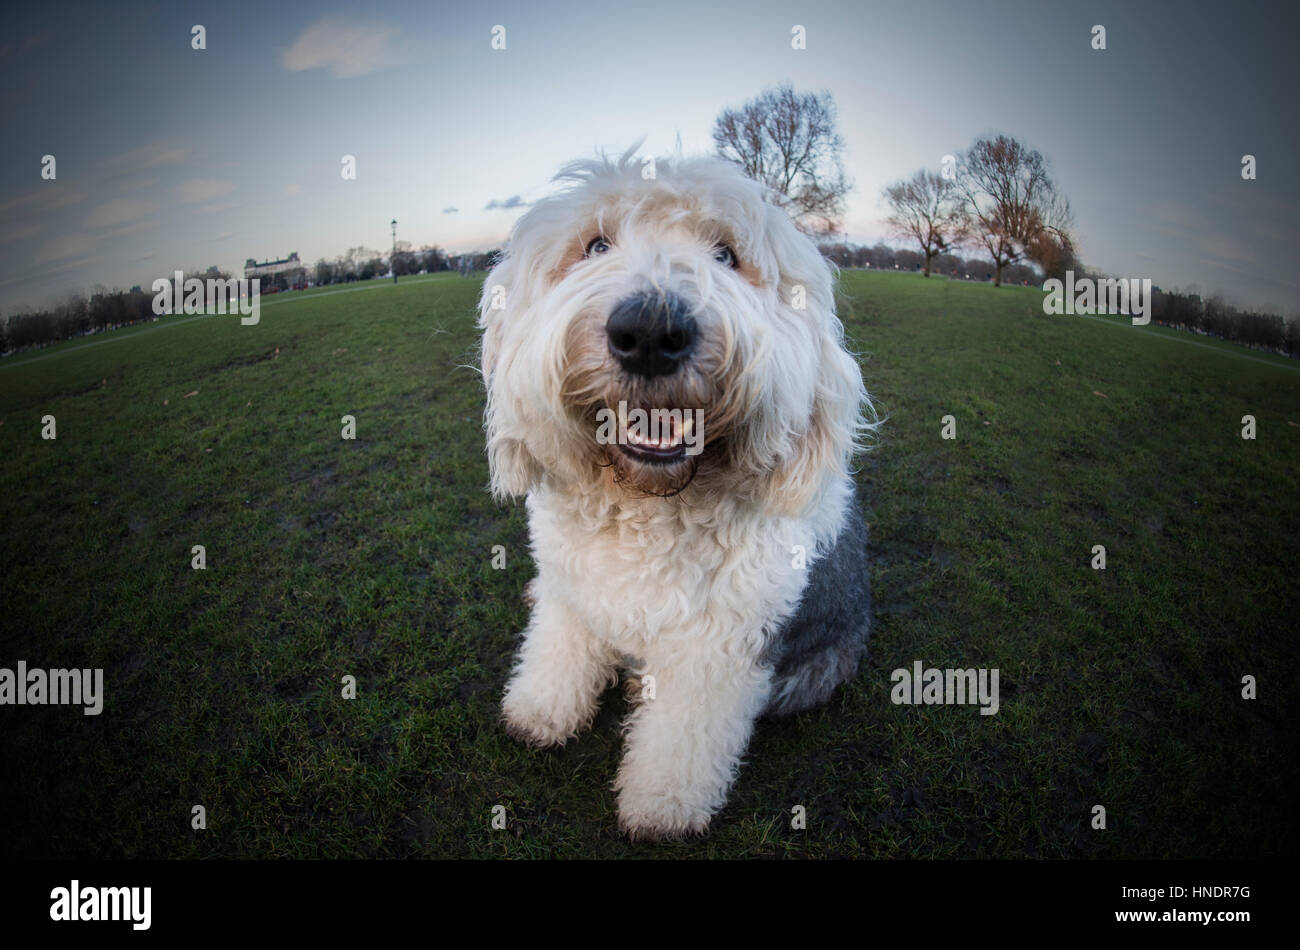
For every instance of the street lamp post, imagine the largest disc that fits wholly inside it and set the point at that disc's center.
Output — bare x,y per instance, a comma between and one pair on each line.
393,261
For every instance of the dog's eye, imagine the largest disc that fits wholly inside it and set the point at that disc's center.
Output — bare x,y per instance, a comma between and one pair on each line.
725,256
597,246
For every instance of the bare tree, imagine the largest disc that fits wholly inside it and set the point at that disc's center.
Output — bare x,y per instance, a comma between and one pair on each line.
1012,205
1052,248
927,209
788,142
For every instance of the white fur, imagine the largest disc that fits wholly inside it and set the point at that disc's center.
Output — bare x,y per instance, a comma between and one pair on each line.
687,588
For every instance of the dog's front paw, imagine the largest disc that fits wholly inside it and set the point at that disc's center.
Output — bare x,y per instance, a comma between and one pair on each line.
542,718
534,727
646,816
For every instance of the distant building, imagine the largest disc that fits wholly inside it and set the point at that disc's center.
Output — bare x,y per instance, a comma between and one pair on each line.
270,268
288,274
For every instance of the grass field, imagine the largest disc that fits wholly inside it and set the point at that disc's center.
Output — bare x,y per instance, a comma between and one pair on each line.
372,558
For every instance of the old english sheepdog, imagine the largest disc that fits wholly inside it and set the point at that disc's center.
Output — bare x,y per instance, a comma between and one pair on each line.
669,389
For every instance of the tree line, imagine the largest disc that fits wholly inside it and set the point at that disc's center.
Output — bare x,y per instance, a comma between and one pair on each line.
1213,317
884,257
84,314
361,263
81,314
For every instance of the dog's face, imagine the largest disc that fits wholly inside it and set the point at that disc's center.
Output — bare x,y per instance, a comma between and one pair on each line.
683,292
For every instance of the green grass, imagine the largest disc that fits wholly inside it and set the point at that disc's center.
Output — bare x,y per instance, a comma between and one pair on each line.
372,558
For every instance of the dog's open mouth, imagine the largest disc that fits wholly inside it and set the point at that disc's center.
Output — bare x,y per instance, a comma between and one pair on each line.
669,447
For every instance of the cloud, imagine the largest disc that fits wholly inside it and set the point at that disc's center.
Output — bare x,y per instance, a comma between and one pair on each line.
75,244
345,47
195,190
66,268
293,190
118,212
133,228
1225,247
219,206
124,169
43,200
450,210
19,233
149,156
514,201
164,158
137,184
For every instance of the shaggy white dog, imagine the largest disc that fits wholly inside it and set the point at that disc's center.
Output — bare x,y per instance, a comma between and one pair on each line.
717,552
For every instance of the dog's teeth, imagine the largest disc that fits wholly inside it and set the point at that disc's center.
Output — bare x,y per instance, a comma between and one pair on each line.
674,435
671,435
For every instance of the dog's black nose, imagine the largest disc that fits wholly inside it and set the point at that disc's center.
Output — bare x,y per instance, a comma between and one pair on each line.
651,334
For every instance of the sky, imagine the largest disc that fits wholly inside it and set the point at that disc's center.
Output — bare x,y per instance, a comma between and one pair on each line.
170,157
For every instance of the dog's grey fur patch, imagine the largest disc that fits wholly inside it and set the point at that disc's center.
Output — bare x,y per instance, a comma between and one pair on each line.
819,647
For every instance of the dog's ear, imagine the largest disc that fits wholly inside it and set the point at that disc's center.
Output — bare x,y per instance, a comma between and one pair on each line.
825,447
836,424
514,470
